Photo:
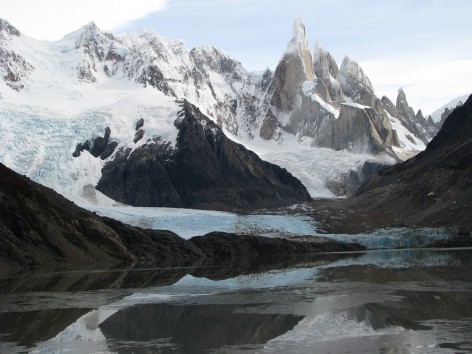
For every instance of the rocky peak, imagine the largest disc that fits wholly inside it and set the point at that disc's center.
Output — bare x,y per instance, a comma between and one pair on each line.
298,46
14,68
324,62
416,123
389,106
6,29
299,40
350,67
96,47
215,59
356,85
431,121
403,107
419,115
327,70
295,67
91,37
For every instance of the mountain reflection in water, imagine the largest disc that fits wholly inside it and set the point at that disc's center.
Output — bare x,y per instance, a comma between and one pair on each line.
195,328
414,301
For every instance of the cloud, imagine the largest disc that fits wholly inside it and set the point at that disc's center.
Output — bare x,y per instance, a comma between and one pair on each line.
52,19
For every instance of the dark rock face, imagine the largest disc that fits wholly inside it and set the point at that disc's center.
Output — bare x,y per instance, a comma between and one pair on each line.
98,146
205,170
40,227
434,187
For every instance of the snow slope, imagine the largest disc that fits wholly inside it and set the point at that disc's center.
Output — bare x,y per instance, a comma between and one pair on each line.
458,101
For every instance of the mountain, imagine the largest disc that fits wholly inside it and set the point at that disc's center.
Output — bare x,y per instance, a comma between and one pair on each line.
433,188
440,115
333,112
203,170
56,95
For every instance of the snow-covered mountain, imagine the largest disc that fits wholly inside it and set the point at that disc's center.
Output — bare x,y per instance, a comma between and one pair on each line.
440,115
305,116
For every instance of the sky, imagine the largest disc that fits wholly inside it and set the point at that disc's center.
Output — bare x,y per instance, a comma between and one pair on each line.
423,46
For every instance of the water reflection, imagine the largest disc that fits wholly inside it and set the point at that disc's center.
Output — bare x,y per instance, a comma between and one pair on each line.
382,301
192,328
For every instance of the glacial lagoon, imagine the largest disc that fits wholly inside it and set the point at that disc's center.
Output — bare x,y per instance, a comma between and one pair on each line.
386,301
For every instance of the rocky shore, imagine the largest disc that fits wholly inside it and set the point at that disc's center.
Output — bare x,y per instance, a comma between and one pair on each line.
40,228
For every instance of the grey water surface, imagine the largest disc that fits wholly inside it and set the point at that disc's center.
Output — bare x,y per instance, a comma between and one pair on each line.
389,301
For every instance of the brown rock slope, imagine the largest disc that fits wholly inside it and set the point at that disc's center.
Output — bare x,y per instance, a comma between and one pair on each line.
433,188
40,227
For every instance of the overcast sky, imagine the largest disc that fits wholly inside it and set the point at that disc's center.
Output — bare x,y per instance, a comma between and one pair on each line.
424,46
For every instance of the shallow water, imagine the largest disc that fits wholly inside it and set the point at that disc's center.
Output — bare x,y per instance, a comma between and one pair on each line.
403,301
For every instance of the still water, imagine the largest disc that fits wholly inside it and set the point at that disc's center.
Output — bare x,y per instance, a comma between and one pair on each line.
402,301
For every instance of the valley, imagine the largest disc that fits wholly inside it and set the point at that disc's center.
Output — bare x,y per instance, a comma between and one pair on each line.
155,198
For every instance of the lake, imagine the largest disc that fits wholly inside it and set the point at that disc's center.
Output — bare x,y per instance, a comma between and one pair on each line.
389,301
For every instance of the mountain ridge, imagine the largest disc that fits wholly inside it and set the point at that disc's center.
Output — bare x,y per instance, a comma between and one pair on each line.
150,59
70,75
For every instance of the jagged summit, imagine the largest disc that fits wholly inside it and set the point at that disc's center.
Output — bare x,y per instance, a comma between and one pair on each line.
403,106
299,49
326,70
89,27
324,61
299,41
216,59
416,123
7,28
350,69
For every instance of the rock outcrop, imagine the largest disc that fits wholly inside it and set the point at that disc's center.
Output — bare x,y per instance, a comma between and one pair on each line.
356,85
99,146
326,71
204,170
